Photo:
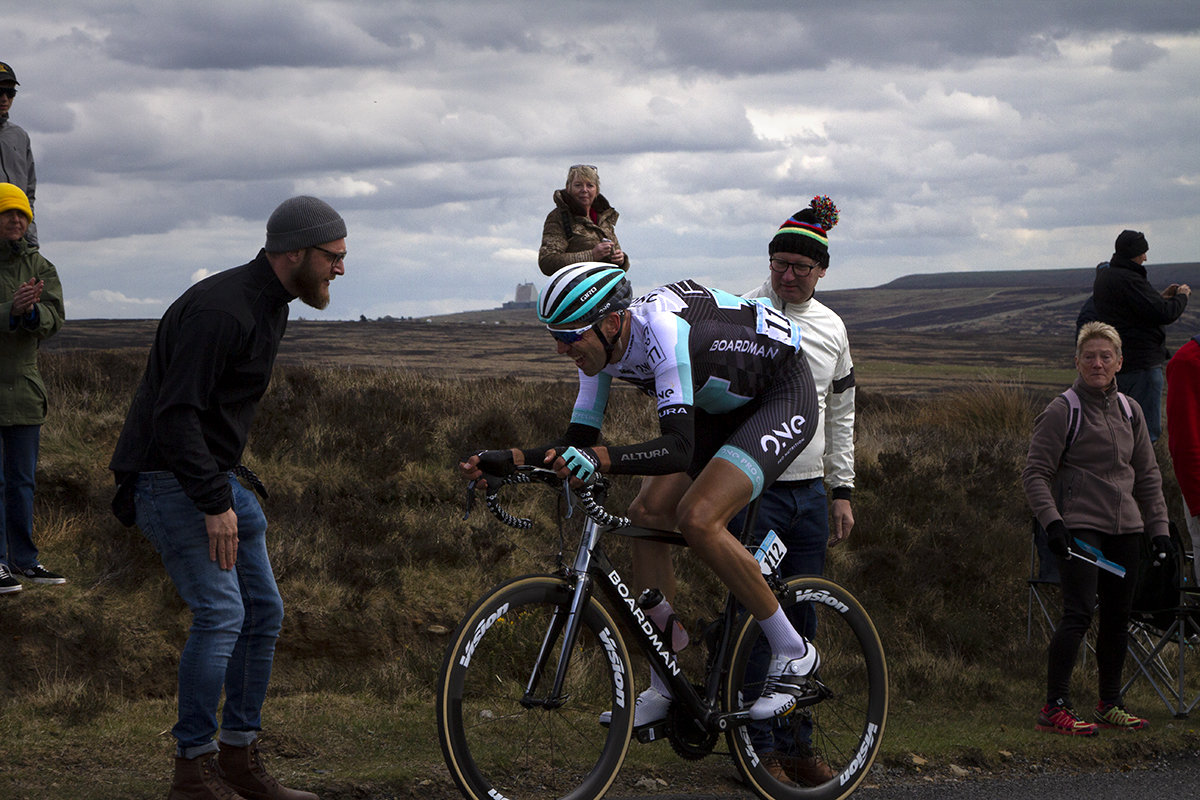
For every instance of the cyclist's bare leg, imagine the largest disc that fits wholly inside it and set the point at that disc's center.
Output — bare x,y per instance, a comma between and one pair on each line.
718,493
655,507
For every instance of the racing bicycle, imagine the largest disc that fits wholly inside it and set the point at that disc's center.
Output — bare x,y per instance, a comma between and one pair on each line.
535,662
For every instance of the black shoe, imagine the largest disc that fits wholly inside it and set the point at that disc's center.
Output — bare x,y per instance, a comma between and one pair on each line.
39,574
8,583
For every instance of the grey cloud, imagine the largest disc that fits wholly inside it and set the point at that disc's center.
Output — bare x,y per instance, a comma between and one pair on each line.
1132,55
239,36
777,36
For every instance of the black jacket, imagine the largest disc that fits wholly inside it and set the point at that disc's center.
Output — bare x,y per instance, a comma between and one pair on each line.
209,366
1126,300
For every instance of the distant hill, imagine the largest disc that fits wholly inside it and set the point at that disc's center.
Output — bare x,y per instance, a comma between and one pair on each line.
1035,302
1026,301
1022,302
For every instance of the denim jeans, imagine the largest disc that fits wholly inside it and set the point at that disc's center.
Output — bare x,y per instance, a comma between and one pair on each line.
19,449
798,512
1145,386
236,614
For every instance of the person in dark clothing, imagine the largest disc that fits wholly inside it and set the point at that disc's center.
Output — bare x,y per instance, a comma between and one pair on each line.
16,154
175,464
1126,300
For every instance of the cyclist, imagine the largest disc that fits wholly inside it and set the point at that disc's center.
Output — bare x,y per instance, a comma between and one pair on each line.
736,404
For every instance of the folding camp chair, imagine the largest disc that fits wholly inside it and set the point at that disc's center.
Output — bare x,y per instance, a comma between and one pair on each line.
1043,573
1164,628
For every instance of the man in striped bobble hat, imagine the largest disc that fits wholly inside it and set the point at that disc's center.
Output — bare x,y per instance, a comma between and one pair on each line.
796,506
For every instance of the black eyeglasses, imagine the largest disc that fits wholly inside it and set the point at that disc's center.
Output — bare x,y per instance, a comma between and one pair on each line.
8,91
334,258
801,270
569,337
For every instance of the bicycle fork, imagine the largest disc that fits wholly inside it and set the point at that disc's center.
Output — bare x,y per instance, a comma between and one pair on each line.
565,624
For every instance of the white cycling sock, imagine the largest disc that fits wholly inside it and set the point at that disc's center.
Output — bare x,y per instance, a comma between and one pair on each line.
785,642
657,684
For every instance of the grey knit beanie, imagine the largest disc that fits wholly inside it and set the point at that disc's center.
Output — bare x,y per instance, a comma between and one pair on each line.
303,222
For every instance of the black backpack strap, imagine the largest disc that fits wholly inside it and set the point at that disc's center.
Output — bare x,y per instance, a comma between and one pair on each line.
566,221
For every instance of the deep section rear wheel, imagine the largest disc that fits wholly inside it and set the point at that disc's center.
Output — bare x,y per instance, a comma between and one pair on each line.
841,726
501,738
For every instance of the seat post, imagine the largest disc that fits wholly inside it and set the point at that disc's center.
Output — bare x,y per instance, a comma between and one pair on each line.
751,519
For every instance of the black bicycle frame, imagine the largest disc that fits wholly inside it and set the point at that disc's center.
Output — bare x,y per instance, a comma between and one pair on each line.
593,568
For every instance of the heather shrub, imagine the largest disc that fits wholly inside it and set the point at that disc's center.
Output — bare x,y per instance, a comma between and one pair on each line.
376,563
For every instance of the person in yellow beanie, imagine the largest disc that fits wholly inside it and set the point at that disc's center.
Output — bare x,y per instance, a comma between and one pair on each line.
12,197
31,309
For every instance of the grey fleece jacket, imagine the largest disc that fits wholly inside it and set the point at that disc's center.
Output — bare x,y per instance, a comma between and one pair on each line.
1108,480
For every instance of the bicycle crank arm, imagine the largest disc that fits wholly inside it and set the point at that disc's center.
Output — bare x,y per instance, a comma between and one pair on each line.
551,703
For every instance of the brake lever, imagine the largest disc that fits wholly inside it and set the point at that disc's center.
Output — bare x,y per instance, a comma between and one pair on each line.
568,494
470,499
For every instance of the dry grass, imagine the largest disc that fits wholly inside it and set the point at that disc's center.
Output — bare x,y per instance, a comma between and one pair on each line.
376,565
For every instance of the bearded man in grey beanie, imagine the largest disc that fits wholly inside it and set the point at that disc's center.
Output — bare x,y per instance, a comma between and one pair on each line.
177,463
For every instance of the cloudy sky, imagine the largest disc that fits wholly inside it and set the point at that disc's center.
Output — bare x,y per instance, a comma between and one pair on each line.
980,135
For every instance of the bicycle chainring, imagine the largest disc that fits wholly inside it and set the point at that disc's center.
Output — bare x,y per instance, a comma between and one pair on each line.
687,736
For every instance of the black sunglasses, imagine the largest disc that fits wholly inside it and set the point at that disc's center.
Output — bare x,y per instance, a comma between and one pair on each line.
8,91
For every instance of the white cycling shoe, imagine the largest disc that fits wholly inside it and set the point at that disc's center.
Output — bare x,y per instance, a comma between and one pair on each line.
651,707
785,681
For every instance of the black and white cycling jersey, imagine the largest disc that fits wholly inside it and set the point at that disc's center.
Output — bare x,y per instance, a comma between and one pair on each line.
728,379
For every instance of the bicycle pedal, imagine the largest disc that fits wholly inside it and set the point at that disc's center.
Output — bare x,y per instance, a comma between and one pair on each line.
651,733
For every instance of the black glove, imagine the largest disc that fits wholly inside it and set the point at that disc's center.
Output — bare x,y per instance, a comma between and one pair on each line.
1058,538
496,463
1161,546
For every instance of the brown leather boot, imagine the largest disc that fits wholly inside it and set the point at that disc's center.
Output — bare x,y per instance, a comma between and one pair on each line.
244,771
199,778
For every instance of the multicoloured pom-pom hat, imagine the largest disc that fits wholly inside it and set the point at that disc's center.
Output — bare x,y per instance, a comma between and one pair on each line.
811,225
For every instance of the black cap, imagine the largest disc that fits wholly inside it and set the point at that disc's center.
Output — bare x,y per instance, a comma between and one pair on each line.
7,74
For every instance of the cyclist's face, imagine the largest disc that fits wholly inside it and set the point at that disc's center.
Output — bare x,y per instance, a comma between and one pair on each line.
587,353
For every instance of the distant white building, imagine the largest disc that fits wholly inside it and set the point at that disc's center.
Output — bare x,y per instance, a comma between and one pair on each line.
526,297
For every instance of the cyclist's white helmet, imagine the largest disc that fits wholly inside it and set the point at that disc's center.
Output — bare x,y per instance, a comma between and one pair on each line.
582,294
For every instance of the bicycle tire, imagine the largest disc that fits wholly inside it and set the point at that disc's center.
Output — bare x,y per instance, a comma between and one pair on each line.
496,746
846,728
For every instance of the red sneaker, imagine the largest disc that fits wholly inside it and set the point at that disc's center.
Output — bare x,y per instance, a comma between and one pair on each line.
1062,719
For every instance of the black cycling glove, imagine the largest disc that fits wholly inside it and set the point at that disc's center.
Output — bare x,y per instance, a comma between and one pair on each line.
1161,545
496,463
1058,538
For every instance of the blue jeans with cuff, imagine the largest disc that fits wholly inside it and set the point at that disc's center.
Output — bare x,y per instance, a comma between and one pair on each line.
798,512
236,614
19,453
1145,386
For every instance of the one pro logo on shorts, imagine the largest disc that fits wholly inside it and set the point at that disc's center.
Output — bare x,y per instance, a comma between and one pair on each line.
773,441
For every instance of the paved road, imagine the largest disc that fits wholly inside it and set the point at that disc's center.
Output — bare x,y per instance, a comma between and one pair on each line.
1176,777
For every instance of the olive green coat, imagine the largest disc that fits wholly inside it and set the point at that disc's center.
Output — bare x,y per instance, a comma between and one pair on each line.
22,393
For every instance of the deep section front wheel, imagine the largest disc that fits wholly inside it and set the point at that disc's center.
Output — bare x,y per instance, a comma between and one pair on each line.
502,731
828,743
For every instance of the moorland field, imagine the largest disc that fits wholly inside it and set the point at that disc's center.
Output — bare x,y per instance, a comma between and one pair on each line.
357,438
